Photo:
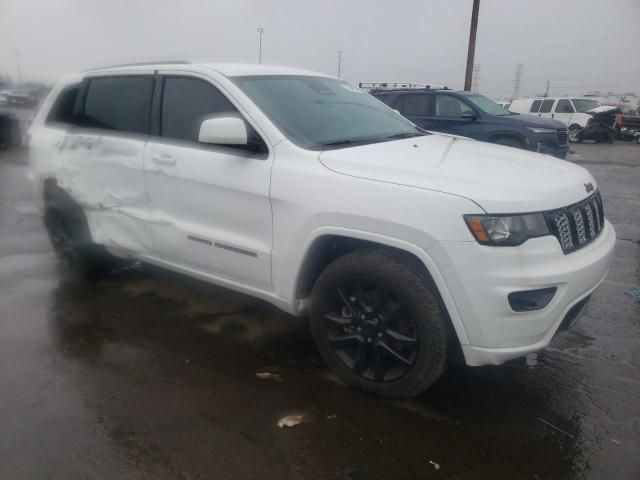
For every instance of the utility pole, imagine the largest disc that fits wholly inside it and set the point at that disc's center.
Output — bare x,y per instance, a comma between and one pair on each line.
18,64
476,77
339,63
546,92
517,79
472,44
260,32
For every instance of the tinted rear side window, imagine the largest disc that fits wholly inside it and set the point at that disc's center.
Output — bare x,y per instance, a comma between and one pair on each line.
546,105
186,102
416,105
62,110
119,103
535,106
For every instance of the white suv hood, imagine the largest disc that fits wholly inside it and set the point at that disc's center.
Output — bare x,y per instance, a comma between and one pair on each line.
499,179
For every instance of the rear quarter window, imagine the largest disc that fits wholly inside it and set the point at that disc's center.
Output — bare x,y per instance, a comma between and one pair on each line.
62,110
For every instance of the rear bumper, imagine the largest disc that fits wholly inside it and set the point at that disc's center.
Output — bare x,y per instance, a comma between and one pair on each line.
480,279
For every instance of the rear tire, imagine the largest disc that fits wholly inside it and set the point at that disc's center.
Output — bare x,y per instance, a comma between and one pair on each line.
378,324
80,257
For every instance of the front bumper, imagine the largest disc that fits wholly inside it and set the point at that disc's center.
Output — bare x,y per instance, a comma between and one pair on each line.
479,279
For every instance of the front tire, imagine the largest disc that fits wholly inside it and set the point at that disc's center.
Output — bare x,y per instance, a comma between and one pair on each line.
574,130
378,324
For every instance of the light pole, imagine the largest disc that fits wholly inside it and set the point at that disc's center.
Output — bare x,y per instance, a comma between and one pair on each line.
339,63
260,32
19,70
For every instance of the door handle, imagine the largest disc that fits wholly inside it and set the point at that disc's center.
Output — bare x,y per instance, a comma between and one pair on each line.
163,159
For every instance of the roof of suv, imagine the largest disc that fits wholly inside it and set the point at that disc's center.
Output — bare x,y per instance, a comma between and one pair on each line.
226,69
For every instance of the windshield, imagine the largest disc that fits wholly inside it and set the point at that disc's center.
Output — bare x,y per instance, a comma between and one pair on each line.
582,105
487,105
320,112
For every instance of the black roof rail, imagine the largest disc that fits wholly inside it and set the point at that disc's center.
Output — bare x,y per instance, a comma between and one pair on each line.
141,64
395,86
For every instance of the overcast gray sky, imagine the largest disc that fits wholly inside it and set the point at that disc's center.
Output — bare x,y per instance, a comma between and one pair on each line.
577,44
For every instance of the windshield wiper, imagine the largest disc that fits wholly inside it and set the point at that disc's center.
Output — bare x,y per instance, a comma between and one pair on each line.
397,136
341,142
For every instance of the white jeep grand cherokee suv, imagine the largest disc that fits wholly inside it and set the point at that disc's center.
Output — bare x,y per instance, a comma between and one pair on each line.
297,188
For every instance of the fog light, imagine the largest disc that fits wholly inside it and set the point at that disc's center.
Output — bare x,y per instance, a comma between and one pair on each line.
528,300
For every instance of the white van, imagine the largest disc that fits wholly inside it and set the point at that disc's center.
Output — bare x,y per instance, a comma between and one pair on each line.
569,110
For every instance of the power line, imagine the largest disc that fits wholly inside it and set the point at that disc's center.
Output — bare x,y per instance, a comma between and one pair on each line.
516,81
476,77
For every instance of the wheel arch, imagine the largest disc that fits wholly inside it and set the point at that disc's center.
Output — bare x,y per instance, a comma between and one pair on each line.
56,198
510,135
328,244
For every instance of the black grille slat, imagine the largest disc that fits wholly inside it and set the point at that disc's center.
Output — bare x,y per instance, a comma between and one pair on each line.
563,136
577,225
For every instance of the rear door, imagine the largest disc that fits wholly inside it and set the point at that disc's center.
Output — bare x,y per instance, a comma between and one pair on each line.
101,159
210,204
563,111
416,107
535,107
546,108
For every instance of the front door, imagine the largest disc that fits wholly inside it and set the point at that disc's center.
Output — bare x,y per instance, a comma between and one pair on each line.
452,115
563,111
210,206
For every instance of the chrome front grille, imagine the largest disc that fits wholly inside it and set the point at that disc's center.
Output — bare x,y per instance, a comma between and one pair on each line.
578,225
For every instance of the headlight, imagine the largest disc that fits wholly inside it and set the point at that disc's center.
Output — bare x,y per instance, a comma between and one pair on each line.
507,230
541,130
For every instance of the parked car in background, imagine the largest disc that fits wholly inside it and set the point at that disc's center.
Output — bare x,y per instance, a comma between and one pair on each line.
9,130
302,190
629,123
569,110
19,98
472,115
504,105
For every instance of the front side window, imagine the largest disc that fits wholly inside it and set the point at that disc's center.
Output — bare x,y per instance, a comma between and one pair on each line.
320,113
487,105
564,106
118,103
584,104
535,106
186,102
448,106
414,105
545,106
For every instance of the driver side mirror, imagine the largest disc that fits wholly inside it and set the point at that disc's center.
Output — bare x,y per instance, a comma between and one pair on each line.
223,131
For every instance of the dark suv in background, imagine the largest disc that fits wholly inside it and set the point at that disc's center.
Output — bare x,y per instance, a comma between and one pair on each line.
472,115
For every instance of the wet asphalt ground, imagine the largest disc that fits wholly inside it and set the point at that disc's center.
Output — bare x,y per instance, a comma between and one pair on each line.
148,374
